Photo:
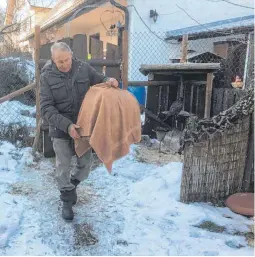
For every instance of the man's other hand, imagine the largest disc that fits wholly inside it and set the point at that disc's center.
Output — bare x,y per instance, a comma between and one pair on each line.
112,82
73,132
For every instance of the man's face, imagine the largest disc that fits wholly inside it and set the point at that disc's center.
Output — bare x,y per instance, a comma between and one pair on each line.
63,60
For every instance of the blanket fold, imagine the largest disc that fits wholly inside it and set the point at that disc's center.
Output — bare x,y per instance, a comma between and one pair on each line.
110,122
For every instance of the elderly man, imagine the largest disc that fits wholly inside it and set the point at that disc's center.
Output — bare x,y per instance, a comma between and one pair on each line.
63,84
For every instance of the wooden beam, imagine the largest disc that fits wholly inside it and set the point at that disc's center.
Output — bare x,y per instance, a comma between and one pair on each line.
17,93
155,117
125,59
191,98
94,62
151,83
37,71
104,62
208,95
184,50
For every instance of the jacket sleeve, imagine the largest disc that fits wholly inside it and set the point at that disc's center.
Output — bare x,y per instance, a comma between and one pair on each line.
48,109
95,77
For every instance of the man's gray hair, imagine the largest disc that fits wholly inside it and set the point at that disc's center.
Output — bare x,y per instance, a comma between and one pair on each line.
60,46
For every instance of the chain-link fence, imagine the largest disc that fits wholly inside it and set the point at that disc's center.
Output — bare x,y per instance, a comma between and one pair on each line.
232,49
17,119
227,48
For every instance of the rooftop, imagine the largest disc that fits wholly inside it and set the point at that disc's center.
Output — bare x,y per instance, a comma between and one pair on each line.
222,27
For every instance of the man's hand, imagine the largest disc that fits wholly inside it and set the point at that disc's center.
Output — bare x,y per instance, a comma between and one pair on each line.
112,82
73,132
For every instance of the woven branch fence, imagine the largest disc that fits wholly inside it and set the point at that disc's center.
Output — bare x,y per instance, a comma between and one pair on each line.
215,158
214,169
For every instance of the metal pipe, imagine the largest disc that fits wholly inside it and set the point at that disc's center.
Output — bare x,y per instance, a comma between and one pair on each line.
125,10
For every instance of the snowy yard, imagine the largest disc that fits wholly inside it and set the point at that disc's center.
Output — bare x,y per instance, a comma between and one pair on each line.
133,211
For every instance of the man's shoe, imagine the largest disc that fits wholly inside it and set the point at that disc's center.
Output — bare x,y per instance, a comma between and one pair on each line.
67,211
68,198
75,181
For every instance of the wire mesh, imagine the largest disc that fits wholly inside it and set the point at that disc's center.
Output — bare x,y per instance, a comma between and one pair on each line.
17,119
228,49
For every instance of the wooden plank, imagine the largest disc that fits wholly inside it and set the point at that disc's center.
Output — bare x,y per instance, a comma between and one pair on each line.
97,52
249,62
164,99
191,99
230,97
208,98
177,67
80,49
197,100
125,59
45,51
218,100
159,100
249,164
96,49
113,53
154,117
18,92
184,49
214,101
201,102
186,99
37,72
104,62
167,97
68,41
152,83
152,106
96,62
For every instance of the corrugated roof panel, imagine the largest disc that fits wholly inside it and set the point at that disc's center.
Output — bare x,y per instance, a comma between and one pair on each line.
213,26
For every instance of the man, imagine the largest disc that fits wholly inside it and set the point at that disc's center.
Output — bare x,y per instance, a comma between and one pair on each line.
63,84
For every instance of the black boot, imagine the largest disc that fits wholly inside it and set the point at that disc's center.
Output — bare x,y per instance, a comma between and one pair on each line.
67,211
68,197
75,182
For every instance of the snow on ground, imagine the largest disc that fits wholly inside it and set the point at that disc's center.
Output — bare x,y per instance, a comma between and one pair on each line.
133,211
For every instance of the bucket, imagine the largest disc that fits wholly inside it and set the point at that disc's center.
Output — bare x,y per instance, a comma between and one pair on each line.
139,92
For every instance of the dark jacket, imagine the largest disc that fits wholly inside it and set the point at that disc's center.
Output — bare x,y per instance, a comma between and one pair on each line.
61,94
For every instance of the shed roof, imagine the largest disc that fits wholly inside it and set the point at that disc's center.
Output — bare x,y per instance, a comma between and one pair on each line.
218,27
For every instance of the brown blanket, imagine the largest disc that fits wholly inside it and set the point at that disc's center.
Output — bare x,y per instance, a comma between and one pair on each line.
110,122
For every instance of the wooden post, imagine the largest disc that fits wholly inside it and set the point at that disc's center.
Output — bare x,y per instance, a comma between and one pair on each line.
208,95
37,81
191,99
37,71
249,163
184,48
125,59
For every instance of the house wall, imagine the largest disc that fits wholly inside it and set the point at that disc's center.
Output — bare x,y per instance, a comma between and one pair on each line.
98,28
146,48
90,23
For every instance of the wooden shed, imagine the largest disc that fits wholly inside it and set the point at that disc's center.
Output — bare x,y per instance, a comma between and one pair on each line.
192,83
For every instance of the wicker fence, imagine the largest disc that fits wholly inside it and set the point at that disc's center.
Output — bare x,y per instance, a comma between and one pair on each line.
214,168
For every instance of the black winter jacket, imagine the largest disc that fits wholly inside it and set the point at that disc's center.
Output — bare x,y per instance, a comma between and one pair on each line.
61,94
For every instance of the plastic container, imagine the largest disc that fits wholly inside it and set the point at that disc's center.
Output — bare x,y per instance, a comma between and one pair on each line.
139,92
